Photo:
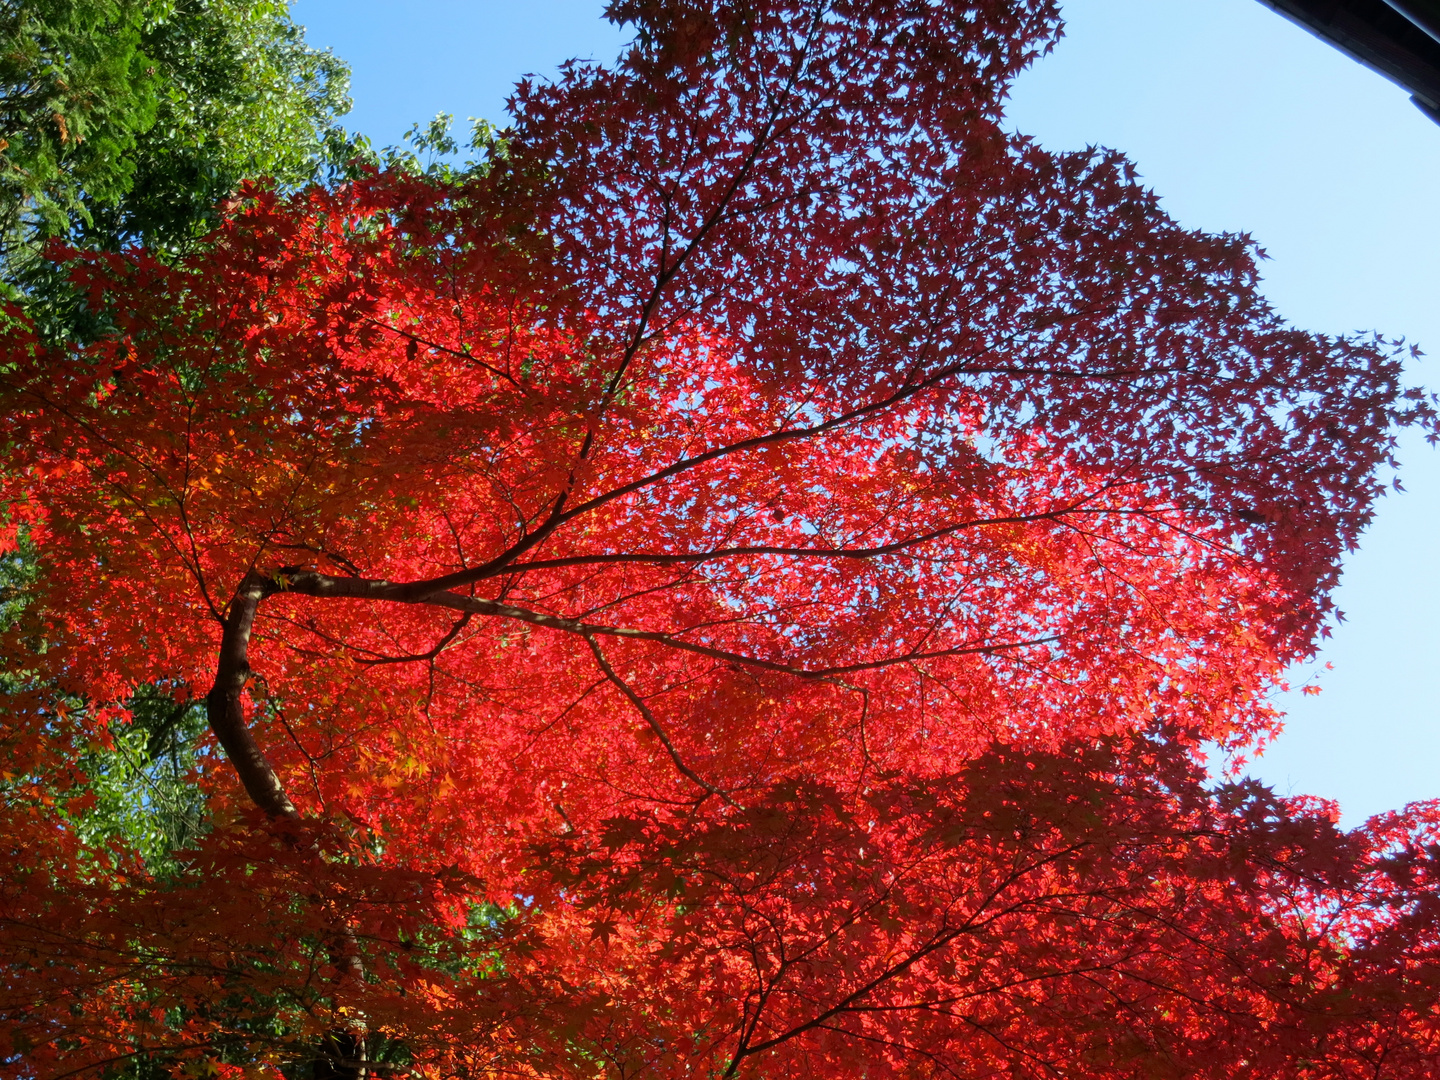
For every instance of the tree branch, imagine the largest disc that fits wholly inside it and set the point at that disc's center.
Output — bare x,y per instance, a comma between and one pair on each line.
450,635
225,711
311,583
655,726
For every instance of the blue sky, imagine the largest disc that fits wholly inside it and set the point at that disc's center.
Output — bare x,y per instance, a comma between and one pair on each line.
1242,122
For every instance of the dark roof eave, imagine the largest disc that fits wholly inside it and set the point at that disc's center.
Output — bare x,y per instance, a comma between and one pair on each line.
1399,39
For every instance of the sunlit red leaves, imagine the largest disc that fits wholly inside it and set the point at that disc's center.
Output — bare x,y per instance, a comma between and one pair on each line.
955,574
726,535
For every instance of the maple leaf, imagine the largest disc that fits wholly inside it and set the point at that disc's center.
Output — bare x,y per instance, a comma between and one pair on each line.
771,508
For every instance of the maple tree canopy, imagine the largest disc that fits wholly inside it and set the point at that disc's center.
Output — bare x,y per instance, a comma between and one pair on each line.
735,586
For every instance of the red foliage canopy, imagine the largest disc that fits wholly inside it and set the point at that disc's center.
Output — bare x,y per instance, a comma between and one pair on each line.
734,587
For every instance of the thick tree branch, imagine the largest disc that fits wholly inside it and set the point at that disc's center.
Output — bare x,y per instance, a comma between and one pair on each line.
225,710
311,583
560,516
226,713
665,558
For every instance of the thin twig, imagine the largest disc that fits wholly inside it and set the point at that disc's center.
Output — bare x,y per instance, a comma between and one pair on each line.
655,726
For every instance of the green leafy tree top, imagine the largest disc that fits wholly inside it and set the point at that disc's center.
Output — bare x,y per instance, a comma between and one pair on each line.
130,120
75,92
241,96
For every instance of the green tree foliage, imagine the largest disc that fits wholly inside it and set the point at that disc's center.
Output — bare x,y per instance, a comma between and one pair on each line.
75,92
242,95
129,121
143,783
